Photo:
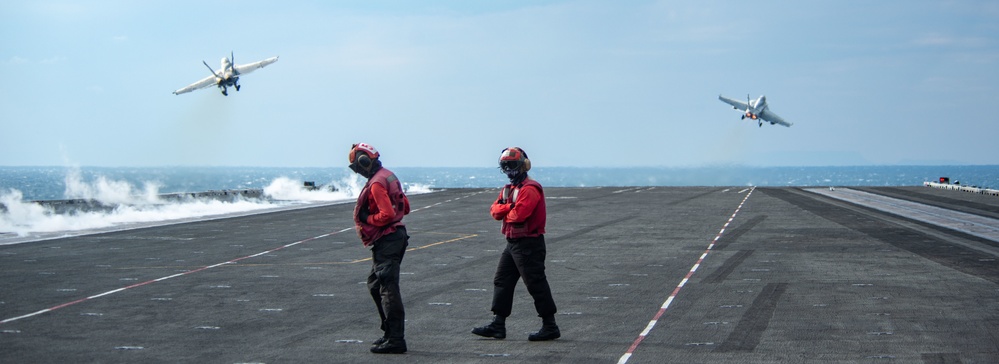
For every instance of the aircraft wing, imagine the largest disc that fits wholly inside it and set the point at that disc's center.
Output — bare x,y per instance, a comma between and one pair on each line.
250,67
735,103
772,118
204,82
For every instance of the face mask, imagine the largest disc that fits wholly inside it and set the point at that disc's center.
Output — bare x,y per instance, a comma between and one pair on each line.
366,173
516,177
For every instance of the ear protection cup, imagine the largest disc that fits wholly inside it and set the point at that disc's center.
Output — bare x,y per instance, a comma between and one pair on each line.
363,161
527,161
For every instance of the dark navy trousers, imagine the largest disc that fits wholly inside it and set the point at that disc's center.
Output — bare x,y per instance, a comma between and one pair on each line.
383,282
522,258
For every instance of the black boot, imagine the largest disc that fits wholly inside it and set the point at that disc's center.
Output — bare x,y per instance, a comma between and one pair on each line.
390,346
549,330
495,329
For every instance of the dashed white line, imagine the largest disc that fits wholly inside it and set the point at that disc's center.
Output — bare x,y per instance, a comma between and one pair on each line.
50,309
648,328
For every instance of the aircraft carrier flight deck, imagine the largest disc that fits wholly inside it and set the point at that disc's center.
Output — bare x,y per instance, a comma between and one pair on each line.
639,274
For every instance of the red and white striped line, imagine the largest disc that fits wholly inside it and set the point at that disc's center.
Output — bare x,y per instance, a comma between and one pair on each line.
67,304
648,328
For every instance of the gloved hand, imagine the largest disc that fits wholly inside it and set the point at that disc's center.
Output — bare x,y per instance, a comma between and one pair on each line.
363,214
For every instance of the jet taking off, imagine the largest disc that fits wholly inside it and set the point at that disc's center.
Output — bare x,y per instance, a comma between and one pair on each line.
227,76
756,110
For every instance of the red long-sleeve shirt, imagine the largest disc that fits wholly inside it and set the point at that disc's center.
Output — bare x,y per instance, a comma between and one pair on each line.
383,213
527,200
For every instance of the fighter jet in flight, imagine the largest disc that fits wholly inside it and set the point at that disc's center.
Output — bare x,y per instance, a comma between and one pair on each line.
755,110
227,76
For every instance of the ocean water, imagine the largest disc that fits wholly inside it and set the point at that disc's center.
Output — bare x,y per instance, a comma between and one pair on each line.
55,183
134,193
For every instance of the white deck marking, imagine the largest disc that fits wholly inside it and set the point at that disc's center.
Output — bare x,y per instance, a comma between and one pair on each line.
980,226
53,308
648,328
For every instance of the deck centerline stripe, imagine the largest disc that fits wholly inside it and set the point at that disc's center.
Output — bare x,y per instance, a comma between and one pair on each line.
662,309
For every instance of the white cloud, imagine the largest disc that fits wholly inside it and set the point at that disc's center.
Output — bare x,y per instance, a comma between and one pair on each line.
941,40
17,60
53,60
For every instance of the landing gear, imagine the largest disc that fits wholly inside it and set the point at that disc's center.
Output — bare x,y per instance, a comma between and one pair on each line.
237,88
224,92
761,124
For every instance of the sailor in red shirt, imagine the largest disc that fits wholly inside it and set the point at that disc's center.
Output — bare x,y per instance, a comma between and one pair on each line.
521,208
378,220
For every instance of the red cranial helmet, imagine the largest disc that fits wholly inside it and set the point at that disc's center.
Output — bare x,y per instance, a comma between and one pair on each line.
514,160
364,159
363,148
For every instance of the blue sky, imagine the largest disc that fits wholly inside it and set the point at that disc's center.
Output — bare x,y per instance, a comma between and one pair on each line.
451,83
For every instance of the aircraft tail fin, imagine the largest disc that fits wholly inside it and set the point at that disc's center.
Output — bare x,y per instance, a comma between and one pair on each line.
210,69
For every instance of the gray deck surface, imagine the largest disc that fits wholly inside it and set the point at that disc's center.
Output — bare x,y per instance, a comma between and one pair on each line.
795,277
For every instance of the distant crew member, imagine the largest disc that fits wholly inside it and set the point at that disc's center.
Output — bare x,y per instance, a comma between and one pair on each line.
378,220
521,208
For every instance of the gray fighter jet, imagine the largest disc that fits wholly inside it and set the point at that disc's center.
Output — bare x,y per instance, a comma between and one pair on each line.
755,110
227,76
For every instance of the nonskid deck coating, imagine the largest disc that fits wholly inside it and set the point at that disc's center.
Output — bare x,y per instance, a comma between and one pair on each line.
794,277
